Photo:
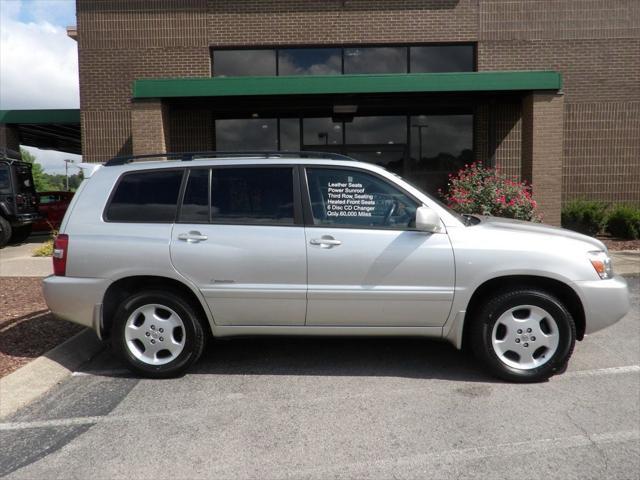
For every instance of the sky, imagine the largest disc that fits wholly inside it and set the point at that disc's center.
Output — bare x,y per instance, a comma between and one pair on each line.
39,63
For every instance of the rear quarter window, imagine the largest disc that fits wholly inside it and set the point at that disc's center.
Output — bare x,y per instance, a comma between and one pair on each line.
5,181
146,197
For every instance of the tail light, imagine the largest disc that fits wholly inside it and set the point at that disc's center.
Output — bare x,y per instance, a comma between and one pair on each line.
60,253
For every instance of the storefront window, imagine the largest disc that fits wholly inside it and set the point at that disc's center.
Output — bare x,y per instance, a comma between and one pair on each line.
387,130
238,63
440,145
247,134
375,60
442,58
310,61
321,131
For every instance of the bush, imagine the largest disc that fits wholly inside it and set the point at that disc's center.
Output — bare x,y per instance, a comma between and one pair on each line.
44,250
624,222
480,190
585,216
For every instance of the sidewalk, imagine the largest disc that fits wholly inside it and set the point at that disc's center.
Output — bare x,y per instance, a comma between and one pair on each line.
17,261
626,262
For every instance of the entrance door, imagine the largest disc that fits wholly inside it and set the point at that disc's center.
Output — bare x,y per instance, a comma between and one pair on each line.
392,157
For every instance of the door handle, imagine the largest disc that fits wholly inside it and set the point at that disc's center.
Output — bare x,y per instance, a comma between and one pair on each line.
326,241
192,237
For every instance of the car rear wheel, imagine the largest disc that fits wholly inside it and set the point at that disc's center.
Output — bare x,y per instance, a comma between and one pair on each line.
524,335
158,334
20,234
5,231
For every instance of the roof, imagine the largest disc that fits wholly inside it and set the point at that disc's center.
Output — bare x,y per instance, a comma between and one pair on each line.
347,84
48,129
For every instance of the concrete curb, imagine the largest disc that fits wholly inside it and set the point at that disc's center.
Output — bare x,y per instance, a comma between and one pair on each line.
37,377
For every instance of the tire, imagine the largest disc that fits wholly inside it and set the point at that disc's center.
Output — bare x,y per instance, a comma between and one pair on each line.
21,233
523,335
149,320
5,232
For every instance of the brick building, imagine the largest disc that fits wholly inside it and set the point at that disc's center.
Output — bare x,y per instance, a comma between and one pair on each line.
548,90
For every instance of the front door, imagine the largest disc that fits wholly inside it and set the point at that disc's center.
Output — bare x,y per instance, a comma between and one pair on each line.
240,239
367,266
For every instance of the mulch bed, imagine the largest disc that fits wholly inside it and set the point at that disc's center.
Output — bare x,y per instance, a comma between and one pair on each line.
616,245
27,328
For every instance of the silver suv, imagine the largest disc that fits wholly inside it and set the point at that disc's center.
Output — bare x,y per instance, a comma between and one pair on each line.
158,255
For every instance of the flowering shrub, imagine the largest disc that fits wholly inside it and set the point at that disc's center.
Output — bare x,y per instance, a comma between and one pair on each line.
486,191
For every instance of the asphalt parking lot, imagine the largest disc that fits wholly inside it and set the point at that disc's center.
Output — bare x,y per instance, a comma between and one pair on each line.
339,408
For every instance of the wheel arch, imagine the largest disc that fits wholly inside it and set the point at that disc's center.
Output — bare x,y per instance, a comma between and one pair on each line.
565,293
125,287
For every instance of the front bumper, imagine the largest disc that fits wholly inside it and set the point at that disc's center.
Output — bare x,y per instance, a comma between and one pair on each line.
605,302
78,300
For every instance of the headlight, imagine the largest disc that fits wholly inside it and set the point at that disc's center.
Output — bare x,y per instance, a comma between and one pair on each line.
602,263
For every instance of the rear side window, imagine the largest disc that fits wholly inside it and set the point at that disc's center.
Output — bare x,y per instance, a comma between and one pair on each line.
262,195
146,197
5,181
195,206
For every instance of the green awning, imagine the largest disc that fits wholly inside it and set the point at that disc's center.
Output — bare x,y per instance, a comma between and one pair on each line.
347,84
40,116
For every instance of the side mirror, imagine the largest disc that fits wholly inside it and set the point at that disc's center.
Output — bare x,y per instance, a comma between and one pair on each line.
427,220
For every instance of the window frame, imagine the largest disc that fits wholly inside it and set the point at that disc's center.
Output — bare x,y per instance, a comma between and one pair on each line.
112,194
297,201
306,199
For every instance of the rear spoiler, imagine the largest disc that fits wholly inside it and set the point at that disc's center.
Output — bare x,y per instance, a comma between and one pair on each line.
88,169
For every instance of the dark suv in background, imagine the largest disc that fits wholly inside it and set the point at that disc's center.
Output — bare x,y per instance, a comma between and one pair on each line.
18,199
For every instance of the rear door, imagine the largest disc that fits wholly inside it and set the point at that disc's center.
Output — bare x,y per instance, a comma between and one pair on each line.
367,265
240,239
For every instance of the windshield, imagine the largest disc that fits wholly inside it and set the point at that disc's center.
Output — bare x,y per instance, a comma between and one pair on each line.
466,219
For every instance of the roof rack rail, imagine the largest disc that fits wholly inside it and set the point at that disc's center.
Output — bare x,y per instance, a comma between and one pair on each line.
188,156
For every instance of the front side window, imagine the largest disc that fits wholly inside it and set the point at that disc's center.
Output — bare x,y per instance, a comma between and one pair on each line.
146,197
261,195
352,198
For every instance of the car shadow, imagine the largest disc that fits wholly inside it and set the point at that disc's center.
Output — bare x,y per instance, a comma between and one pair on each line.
345,356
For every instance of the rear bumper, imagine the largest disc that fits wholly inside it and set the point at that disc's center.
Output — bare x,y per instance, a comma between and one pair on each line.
605,302
78,300
25,218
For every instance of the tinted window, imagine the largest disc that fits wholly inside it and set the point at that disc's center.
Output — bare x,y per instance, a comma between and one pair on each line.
321,131
375,60
310,61
252,195
237,63
247,134
195,205
358,199
5,181
442,58
146,197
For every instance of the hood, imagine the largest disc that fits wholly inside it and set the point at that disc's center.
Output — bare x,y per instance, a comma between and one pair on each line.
541,229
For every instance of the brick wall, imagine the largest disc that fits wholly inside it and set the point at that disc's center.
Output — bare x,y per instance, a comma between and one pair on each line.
595,44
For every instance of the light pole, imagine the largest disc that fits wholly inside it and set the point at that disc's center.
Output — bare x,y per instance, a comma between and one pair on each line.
419,127
67,161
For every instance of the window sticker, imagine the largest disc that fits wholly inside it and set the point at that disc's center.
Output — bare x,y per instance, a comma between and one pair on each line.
349,199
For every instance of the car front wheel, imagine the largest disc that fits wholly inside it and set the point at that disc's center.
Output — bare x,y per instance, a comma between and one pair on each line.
524,335
158,334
